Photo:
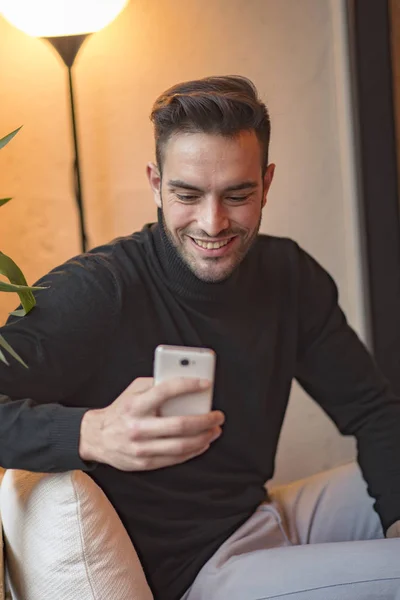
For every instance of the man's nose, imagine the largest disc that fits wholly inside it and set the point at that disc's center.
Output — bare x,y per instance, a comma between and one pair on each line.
213,217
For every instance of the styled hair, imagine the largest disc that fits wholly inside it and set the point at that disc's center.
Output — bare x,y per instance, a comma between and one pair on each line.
217,105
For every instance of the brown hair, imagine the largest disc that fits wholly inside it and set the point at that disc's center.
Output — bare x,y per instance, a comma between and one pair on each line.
219,105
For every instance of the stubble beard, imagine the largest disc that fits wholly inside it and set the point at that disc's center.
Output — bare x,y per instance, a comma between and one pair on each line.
211,277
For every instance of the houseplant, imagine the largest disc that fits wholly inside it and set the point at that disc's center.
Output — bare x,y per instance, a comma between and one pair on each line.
16,280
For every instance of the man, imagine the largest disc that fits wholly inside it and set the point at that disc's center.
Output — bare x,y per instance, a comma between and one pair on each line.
190,490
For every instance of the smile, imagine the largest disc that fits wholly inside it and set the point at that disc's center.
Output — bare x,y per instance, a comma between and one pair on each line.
211,245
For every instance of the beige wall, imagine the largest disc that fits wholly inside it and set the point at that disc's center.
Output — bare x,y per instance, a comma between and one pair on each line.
294,50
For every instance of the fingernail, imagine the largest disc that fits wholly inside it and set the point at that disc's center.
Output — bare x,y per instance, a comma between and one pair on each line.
204,383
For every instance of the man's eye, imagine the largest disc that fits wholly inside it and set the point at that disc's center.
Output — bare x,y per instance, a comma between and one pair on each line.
237,198
186,197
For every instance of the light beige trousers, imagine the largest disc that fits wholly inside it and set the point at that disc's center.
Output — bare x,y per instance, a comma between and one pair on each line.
318,539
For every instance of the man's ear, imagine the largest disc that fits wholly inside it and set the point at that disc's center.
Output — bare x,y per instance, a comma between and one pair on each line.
268,177
154,177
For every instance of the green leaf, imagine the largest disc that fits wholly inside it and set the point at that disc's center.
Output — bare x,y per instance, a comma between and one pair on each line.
4,344
4,201
4,141
3,358
21,312
11,287
17,284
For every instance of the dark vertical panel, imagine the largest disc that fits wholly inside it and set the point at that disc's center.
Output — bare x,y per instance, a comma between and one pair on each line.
370,34
394,12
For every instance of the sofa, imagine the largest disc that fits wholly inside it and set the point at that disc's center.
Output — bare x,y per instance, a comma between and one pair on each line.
62,539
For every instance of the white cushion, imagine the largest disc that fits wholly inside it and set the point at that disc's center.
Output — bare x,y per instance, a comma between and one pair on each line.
65,541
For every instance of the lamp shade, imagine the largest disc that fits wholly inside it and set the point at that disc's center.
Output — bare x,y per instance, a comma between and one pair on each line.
51,18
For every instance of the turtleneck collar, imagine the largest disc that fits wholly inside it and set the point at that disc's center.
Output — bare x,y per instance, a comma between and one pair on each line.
181,280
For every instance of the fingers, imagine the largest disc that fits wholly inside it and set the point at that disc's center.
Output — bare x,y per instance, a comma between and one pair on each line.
150,399
160,462
176,447
163,427
163,461
137,440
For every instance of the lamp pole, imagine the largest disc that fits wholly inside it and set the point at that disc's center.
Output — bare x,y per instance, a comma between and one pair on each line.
41,18
68,47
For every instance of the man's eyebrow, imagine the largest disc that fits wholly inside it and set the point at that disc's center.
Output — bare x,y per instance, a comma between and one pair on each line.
182,184
244,185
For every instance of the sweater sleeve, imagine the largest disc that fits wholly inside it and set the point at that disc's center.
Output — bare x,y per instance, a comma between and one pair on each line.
336,369
62,340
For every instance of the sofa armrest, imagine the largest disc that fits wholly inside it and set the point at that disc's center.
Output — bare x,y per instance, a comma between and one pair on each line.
63,539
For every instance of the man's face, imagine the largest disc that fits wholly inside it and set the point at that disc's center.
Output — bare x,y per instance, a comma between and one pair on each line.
212,194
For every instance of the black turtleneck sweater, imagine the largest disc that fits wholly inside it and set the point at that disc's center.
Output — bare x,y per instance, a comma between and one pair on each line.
276,318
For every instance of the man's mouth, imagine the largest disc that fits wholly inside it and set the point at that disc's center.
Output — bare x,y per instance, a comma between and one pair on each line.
211,245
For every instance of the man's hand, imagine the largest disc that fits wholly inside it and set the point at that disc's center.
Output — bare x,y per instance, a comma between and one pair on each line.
394,530
129,436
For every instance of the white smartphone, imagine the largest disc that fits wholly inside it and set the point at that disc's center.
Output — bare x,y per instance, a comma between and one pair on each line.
182,361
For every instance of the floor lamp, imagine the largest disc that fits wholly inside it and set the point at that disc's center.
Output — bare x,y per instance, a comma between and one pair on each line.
65,24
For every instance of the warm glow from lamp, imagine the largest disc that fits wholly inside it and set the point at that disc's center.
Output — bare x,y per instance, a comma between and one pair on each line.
51,18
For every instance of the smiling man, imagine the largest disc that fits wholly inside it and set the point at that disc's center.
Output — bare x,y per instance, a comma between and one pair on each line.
190,490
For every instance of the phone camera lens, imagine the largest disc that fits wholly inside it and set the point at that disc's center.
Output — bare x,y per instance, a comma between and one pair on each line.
184,362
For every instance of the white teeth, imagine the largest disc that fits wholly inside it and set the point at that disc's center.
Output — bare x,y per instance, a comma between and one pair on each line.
211,245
